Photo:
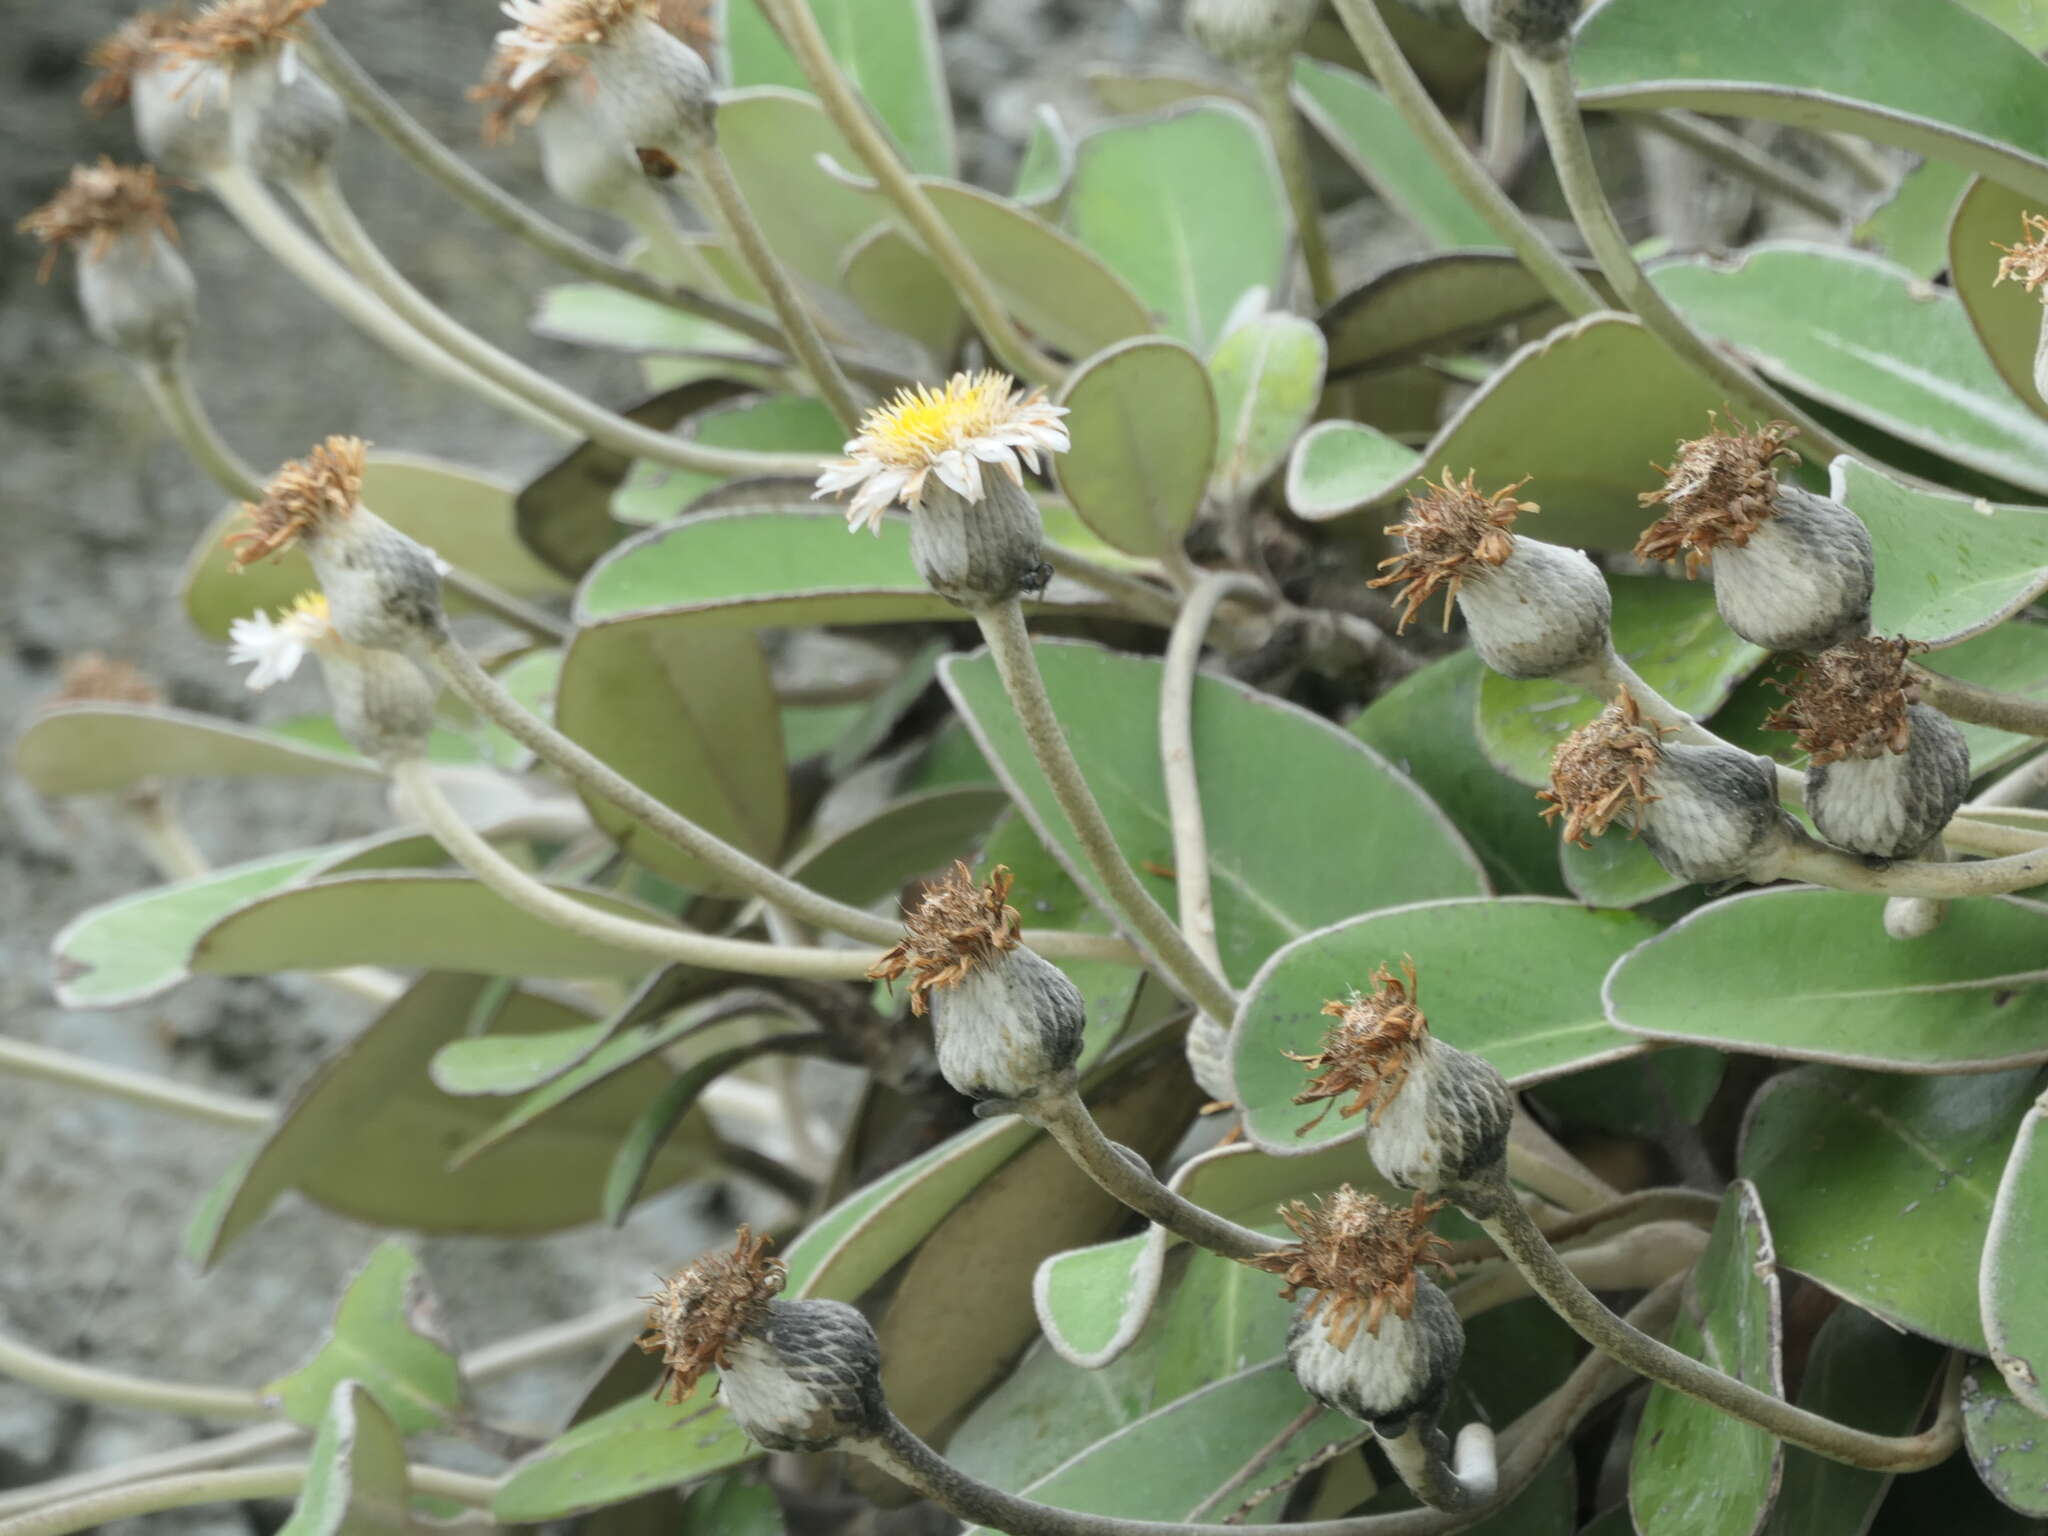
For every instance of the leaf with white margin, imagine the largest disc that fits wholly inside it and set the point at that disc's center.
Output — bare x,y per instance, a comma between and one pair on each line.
356,1483
387,1338
97,748
2009,1281
1268,376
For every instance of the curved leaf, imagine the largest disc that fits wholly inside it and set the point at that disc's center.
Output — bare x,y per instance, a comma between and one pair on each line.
774,138
2009,1288
1372,137
1268,376
2006,318
2005,1441
656,493
1969,997
1471,957
1144,434
900,287
92,749
356,1484
387,1339
1431,304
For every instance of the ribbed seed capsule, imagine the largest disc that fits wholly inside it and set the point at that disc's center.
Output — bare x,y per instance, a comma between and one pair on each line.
1242,31
137,293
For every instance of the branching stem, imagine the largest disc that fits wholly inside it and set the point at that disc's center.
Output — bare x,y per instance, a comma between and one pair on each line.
19,1058
220,1487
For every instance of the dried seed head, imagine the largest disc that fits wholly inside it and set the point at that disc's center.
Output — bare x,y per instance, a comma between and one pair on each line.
955,927
655,85
1452,532
236,33
304,498
91,677
1602,771
2026,262
1851,701
689,20
1719,490
1361,1258
97,206
507,105
1369,1051
133,47
697,1318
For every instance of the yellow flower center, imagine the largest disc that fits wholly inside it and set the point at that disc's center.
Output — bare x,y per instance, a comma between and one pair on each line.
310,606
921,423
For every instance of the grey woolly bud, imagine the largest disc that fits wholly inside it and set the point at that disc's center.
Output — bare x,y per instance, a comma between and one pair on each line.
1716,814
1540,28
1447,1123
383,587
979,553
586,158
1386,1378
656,87
1010,1028
1804,578
383,703
1542,611
182,118
287,120
1242,31
1892,805
807,1378
139,297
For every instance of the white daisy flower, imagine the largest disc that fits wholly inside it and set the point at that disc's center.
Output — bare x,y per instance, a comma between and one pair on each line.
977,419
276,647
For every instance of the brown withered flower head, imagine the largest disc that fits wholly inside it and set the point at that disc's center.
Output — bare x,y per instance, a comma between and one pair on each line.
2027,262
508,106
1851,701
232,33
1719,490
1368,1051
1450,531
93,677
304,496
955,926
122,54
1359,1255
98,205
697,1317
1602,770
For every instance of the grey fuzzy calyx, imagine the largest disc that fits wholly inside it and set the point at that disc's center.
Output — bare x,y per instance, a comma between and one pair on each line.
1804,580
1541,612
1716,814
809,1377
1386,1378
977,553
1010,1028
1893,805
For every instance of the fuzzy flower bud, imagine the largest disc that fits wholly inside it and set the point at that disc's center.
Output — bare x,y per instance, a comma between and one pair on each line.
284,120
975,536
137,293
1707,813
1439,1115
1540,28
1534,609
1793,571
383,586
795,1375
382,702
1377,1340
1888,771
584,154
1247,31
1006,1021
180,105
652,84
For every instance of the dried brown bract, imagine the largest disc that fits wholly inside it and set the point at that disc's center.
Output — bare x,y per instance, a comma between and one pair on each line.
2027,262
1851,701
689,20
1367,1052
696,1318
98,205
508,106
132,47
1359,1255
235,32
1719,490
1451,529
91,677
956,926
305,495
1602,770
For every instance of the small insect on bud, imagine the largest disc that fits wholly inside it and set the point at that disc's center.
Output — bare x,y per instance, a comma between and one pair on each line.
1248,31
382,702
795,1375
1707,813
1378,1339
1540,28
1793,571
2027,264
1534,609
285,120
384,587
1888,771
137,293
1007,1022
1439,1115
975,537
180,106
653,85
584,155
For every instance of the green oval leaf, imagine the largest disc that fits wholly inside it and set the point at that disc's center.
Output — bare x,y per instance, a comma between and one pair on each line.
387,1339
2005,1440
1269,775
656,493
2009,1286
1470,955
2006,318
1144,433
1880,1187
356,1481
774,138
1268,376
1886,73
94,749
1187,207
1696,1470
1968,997
902,289
1430,305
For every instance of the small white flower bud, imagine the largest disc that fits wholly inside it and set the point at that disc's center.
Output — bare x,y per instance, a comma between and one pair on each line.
1888,772
1243,31
1793,571
655,86
1708,814
1377,1339
795,1375
1539,28
137,293
1534,609
1007,1023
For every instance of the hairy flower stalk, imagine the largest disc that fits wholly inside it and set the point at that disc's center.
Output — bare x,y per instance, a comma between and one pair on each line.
1534,609
795,1375
1007,1022
1793,571
1708,813
1888,772
2027,264
1438,1117
136,291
